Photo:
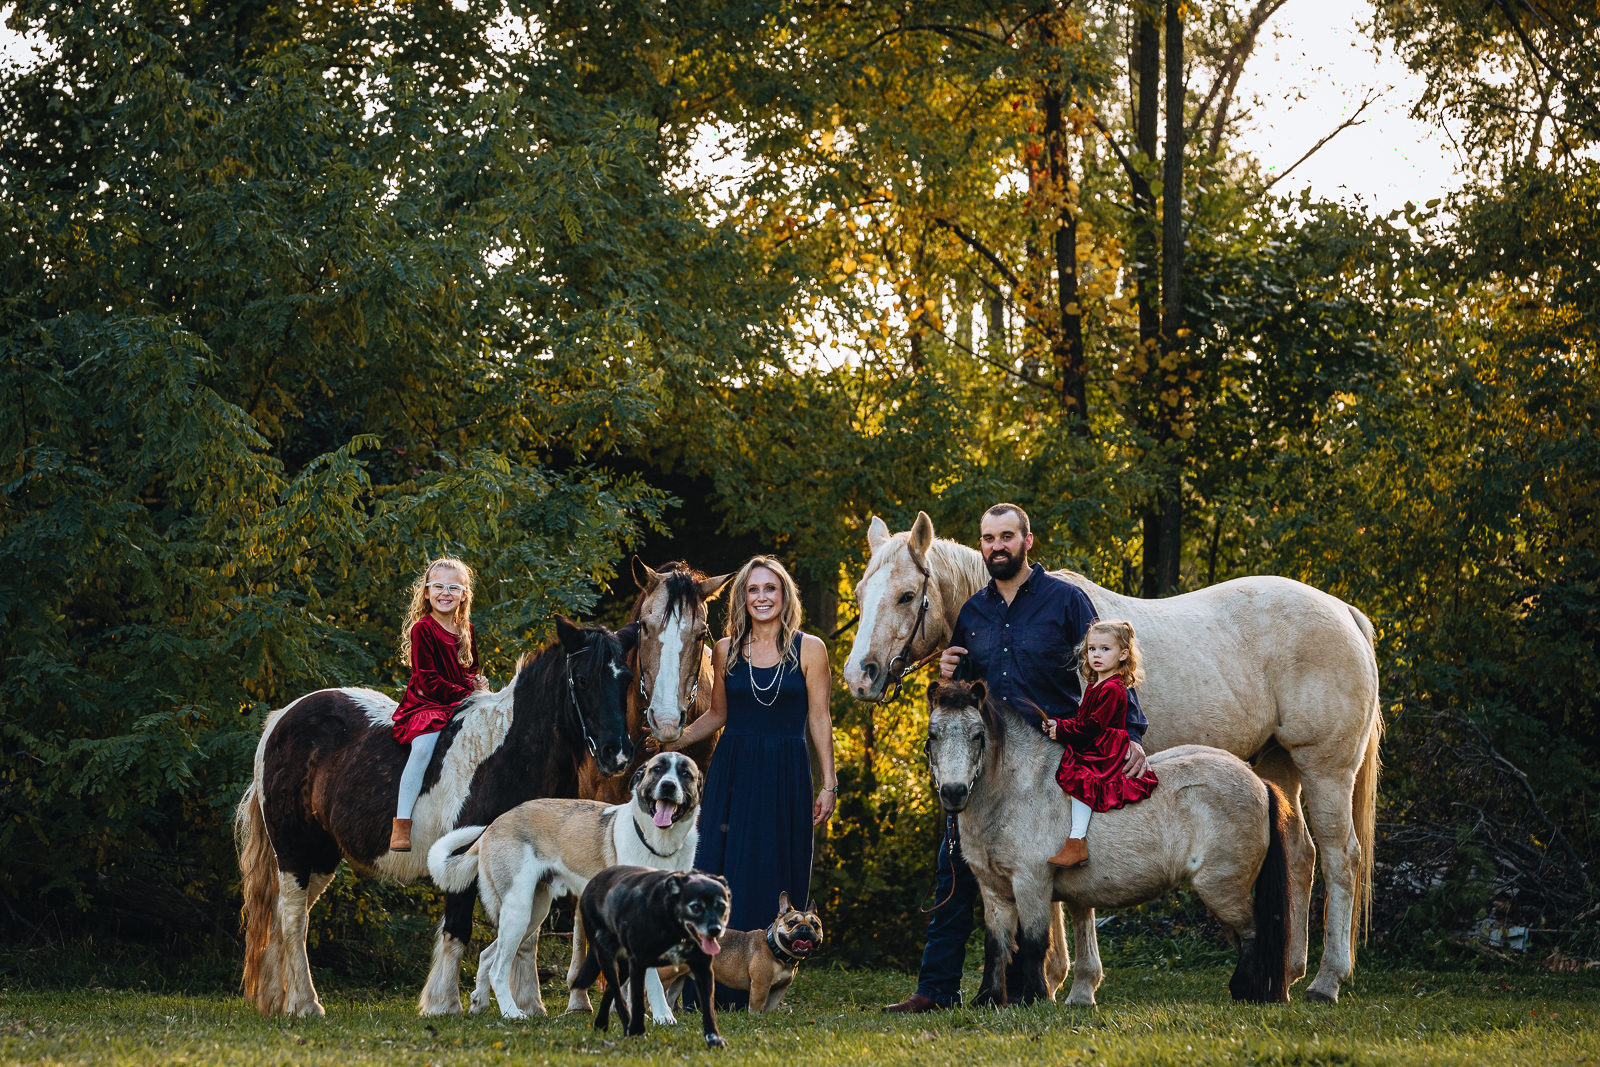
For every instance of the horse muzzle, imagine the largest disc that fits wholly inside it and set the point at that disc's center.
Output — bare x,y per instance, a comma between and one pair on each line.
954,797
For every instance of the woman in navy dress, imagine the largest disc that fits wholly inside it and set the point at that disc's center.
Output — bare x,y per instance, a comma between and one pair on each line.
757,810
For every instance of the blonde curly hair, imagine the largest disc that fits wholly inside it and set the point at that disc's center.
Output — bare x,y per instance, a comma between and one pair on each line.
420,607
1120,631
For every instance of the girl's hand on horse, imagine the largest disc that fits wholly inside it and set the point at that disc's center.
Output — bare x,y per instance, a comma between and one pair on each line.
480,684
1049,728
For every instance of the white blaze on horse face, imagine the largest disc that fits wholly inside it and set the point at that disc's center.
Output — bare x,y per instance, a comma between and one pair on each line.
869,599
664,714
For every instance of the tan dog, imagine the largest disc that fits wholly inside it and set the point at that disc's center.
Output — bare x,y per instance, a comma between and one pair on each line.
763,963
544,848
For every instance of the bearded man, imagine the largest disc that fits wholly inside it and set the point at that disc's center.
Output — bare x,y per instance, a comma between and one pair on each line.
1019,635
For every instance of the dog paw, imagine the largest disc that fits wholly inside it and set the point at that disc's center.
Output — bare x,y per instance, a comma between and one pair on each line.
513,1012
664,1017
716,1041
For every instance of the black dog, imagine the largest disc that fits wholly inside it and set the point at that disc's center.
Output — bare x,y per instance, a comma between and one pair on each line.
638,917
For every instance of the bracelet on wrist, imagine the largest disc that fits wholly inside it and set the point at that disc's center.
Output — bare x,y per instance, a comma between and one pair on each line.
831,789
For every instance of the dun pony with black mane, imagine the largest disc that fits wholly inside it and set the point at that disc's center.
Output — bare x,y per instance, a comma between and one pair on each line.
327,772
1211,824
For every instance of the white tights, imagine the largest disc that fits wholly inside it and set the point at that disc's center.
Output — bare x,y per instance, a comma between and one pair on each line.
416,767
1080,818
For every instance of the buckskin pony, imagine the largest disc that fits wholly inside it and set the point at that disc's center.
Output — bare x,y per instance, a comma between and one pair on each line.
327,769
1277,673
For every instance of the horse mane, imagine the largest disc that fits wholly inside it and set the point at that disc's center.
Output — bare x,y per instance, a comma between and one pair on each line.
958,562
683,588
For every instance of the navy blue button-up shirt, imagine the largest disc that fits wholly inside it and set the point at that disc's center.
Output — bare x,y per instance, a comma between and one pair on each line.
1025,651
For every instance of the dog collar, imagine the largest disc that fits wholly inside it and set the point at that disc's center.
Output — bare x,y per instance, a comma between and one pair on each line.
785,957
646,844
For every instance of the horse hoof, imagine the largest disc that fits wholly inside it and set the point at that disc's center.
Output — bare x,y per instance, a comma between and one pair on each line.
1317,996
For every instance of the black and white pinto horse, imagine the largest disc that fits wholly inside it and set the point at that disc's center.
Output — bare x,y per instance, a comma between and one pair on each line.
327,774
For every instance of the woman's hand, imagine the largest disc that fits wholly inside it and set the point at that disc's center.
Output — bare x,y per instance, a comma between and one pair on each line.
652,746
824,809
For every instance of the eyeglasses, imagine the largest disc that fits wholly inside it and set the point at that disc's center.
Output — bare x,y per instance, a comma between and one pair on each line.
439,588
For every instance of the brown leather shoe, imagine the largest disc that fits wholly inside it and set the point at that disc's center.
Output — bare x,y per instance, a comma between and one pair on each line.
915,1004
1074,852
400,836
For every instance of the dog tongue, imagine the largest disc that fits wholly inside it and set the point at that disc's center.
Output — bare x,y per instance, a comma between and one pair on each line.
708,946
664,813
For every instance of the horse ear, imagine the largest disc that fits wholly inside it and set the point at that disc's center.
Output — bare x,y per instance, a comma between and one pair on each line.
784,907
980,694
933,690
643,575
712,586
570,634
629,636
877,533
922,534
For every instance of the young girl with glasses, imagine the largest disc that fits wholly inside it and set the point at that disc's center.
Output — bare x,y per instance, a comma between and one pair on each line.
438,640
1091,771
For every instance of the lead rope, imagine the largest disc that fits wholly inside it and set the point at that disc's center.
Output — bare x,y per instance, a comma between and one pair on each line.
952,842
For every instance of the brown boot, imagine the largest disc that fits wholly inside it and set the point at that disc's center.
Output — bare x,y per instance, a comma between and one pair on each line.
400,836
915,1004
1074,852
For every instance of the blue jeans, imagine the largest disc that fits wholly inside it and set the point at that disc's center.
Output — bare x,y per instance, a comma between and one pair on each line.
948,931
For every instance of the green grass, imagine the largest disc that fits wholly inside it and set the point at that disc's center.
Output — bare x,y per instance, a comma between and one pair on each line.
1147,1015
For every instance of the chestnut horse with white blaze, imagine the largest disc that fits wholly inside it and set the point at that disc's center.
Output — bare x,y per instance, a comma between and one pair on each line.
1269,669
673,664
327,771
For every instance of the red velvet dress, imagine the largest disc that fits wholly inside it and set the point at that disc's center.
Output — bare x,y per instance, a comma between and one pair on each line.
438,681
1097,743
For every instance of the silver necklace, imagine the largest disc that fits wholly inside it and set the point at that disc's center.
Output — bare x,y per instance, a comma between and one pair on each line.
757,690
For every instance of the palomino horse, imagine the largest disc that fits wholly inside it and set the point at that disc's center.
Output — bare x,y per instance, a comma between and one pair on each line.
1273,671
673,663
327,771
1211,824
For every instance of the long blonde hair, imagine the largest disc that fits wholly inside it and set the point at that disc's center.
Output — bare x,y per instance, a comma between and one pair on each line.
738,626
1120,631
420,607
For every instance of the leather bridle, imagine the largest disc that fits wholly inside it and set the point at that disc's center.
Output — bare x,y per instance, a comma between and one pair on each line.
918,628
572,691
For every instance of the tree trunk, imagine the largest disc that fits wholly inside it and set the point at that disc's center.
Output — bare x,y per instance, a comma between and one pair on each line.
1169,550
1067,345
1146,71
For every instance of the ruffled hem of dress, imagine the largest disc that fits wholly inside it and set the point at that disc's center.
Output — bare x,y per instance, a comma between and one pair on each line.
1105,796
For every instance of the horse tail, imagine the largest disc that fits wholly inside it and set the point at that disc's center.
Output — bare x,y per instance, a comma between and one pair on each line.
258,868
454,874
1364,813
1364,803
1263,972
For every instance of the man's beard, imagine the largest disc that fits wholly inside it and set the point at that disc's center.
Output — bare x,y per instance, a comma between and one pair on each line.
1003,569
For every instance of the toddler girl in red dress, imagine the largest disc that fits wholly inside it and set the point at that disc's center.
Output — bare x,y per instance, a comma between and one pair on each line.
1097,743
438,640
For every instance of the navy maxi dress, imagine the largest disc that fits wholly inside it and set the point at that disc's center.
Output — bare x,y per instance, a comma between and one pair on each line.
755,813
